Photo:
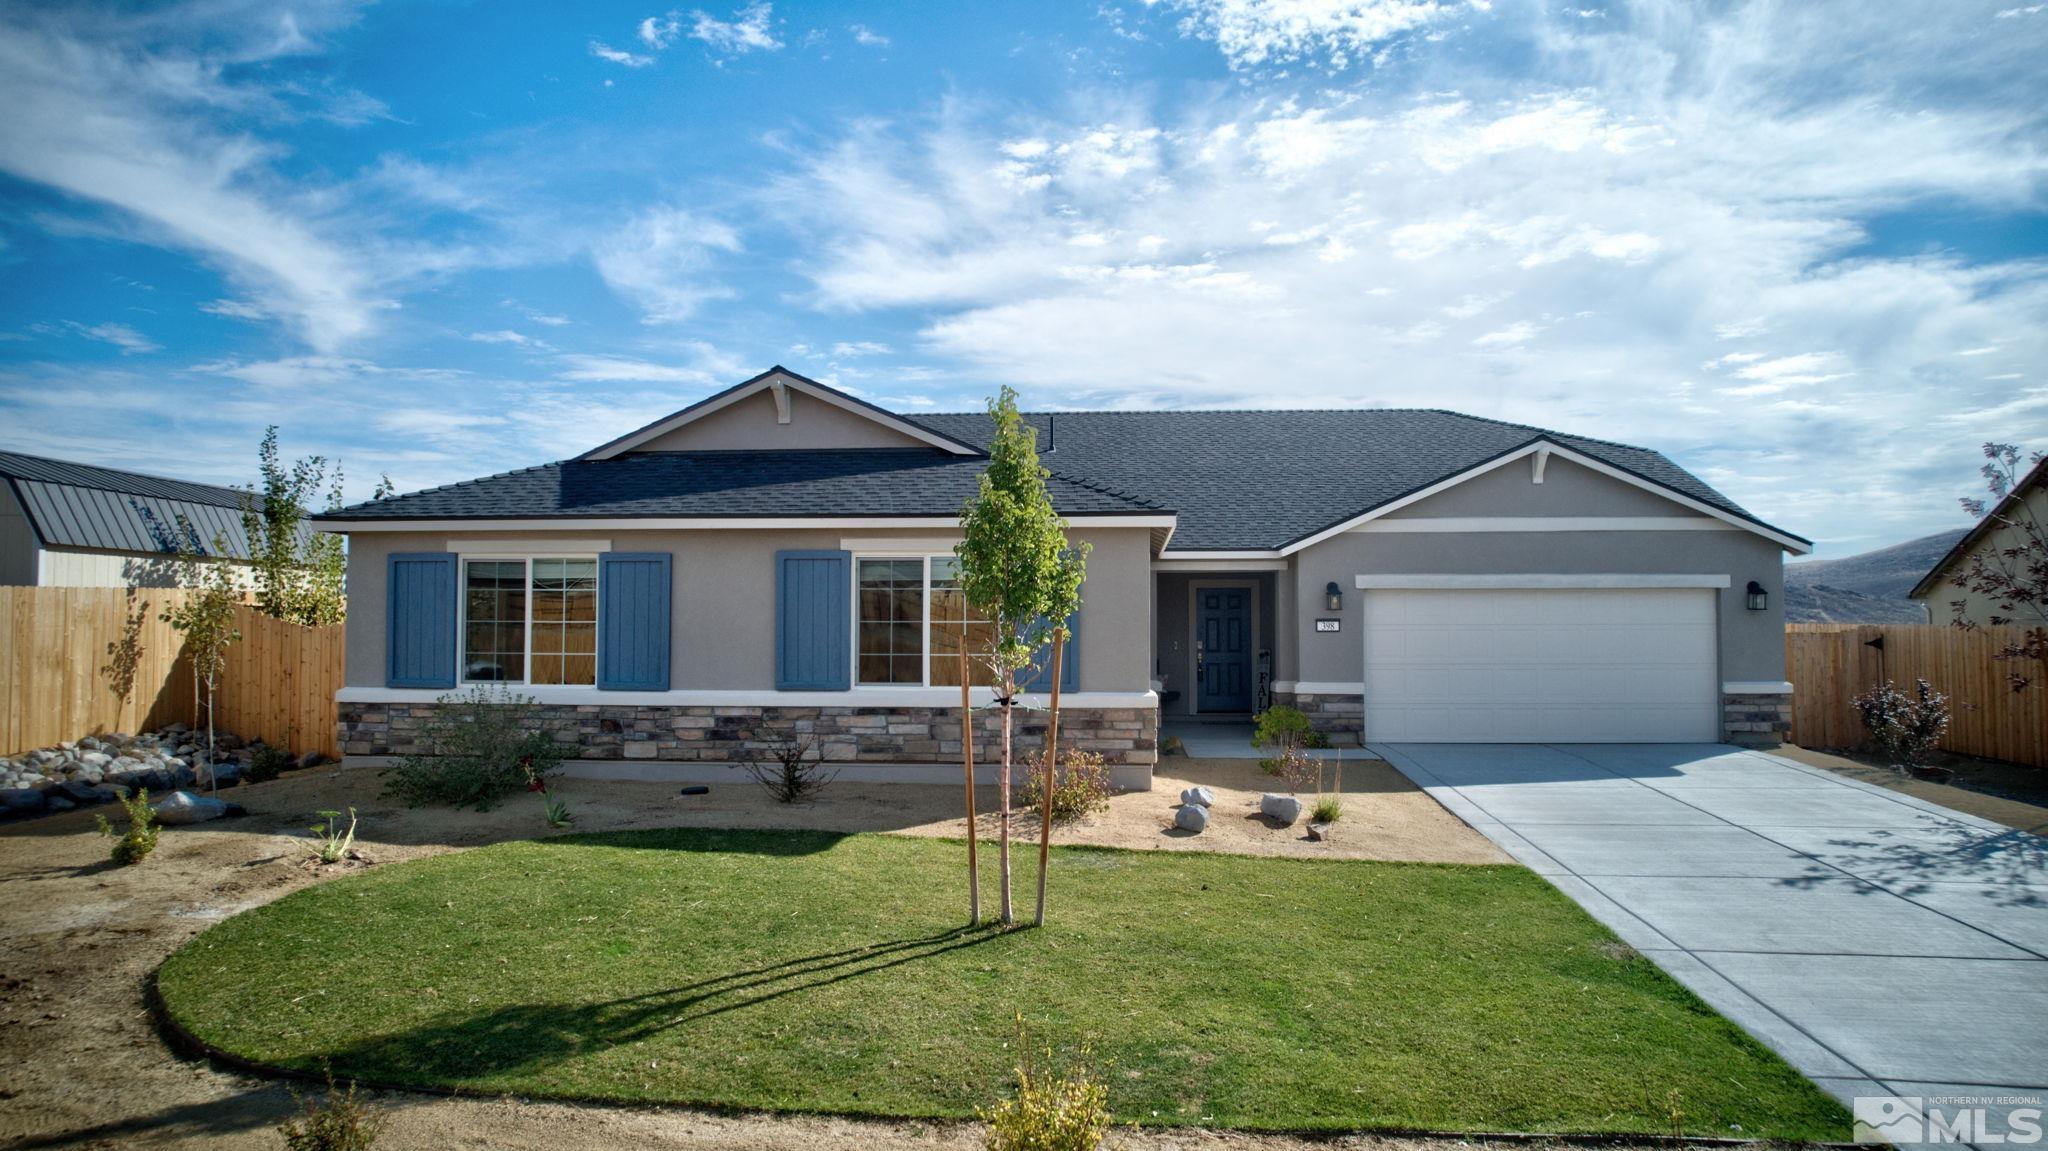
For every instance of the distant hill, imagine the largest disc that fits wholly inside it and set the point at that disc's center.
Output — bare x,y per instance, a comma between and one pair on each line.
1867,588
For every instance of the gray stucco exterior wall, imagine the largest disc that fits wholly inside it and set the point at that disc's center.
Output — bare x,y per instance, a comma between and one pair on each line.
723,614
1752,643
749,424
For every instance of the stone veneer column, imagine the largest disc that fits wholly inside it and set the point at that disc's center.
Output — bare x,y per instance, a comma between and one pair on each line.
1756,719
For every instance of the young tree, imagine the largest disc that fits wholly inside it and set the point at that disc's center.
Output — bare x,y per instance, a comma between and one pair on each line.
298,574
205,616
1018,570
2010,567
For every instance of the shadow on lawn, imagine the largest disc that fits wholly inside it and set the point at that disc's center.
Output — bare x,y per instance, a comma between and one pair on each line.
519,1037
723,841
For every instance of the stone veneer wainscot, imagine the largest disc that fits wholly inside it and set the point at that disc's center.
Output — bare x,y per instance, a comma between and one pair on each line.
697,734
1756,719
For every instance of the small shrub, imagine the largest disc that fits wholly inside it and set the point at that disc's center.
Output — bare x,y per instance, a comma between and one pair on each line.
1906,728
266,763
134,844
1293,767
482,746
340,1121
556,811
330,844
1328,809
1319,740
1080,785
789,767
1052,1111
1281,728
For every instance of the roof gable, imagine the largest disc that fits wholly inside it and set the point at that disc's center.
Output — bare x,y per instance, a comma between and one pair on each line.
73,505
721,422
2036,479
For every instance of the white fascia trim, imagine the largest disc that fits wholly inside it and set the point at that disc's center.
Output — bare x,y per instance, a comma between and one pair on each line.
1236,555
546,545
1789,543
1178,564
1756,687
1314,687
707,523
933,697
1594,580
1549,524
776,380
930,545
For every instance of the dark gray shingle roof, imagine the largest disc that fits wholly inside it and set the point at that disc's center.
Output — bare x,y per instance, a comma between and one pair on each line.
855,482
86,506
1255,480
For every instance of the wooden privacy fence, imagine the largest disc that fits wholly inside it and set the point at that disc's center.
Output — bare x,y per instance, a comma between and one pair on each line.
76,661
1829,664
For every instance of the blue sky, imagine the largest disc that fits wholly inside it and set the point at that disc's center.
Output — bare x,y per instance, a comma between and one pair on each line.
1802,248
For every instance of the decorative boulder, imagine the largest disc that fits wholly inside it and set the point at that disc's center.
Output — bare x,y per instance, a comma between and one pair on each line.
1319,831
1198,796
1191,817
15,800
182,807
1285,808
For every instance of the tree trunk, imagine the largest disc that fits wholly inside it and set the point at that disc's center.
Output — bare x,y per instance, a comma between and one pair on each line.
967,757
212,767
1003,794
1045,785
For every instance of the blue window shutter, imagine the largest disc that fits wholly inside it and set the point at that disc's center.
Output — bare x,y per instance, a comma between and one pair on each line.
419,620
813,620
1070,662
633,597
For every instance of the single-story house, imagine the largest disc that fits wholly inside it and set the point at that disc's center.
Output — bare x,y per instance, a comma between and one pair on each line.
2006,525
779,554
65,524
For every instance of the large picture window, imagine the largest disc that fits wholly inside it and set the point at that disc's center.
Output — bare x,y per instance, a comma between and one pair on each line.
530,621
913,620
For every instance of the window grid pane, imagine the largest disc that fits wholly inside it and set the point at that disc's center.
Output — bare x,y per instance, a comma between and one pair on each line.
494,638
891,634
954,622
564,621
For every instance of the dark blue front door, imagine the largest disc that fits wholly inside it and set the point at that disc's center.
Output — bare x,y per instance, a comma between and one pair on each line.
1223,649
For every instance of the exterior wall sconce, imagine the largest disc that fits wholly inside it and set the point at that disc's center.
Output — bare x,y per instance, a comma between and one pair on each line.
1757,598
1333,597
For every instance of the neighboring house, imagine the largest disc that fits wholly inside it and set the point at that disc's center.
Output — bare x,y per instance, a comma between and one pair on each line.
65,524
779,554
2028,500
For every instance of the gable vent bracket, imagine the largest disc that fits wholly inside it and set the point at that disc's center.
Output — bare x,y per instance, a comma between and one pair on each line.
780,391
1537,463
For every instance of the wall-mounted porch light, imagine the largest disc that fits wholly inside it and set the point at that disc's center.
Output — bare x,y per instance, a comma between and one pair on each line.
1333,597
1756,597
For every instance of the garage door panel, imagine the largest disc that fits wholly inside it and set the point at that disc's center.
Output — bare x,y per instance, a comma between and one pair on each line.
1552,665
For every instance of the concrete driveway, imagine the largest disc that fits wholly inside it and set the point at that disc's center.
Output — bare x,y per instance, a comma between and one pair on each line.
1881,944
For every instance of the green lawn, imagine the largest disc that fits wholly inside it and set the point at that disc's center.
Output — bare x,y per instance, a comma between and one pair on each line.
815,972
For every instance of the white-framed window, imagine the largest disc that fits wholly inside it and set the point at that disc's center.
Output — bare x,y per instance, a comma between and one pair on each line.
910,621
530,620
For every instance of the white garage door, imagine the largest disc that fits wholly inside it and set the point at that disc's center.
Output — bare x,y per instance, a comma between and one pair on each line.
1552,666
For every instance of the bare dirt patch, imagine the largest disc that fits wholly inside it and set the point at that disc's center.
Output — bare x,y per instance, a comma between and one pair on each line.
82,1065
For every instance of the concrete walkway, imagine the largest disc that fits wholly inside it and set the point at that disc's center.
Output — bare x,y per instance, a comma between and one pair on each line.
1881,944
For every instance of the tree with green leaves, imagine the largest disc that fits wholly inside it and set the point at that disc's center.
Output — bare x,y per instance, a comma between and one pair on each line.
205,616
298,574
1020,573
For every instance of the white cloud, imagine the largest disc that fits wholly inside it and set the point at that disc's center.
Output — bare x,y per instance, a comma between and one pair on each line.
587,368
658,32
1514,335
662,261
847,349
512,338
236,309
604,51
867,37
125,124
1255,32
2029,10
130,341
750,30
1673,255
